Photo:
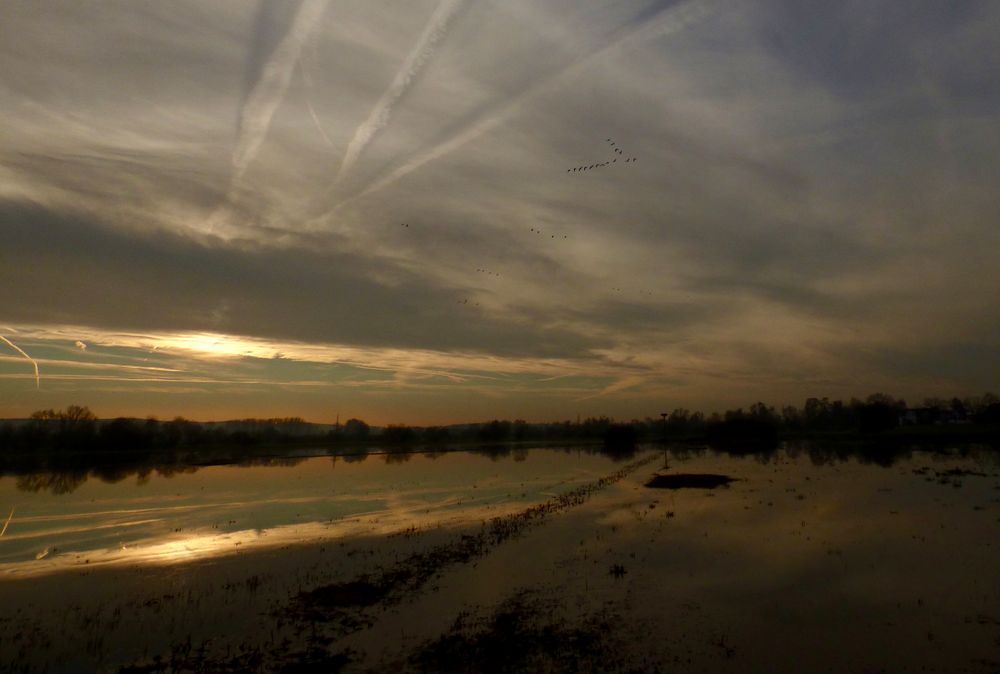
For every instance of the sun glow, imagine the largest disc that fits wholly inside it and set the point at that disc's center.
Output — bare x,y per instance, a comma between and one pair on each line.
412,362
217,345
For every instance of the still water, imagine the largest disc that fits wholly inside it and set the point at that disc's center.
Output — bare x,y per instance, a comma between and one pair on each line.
842,559
170,514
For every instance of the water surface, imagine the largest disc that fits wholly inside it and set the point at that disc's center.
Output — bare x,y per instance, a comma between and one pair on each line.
64,520
820,559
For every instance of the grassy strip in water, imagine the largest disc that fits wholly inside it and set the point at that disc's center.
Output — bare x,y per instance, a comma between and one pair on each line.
337,603
516,639
325,614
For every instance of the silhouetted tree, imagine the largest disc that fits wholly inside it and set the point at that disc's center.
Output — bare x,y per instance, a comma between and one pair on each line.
123,435
436,435
494,431
989,415
398,434
877,417
75,426
355,429
791,418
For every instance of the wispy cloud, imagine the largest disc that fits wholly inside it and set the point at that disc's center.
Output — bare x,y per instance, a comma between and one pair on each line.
773,242
418,57
86,365
205,347
616,387
667,21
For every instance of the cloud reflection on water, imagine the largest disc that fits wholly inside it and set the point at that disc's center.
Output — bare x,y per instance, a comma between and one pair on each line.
228,509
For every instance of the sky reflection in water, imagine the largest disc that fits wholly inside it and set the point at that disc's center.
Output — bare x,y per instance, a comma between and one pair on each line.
819,561
180,516
786,505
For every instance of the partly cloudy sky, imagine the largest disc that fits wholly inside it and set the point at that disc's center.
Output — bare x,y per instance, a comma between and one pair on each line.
369,208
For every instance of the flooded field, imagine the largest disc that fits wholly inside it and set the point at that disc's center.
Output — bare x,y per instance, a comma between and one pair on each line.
175,514
527,560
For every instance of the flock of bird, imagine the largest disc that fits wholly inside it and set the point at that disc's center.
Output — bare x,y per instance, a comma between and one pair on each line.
617,151
538,231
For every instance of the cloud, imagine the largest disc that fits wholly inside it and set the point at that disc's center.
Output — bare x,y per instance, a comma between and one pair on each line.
813,206
622,384
268,292
662,22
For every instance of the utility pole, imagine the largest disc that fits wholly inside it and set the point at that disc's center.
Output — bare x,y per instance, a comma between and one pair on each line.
663,416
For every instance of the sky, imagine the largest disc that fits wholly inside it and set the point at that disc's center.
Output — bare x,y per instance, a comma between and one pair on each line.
337,208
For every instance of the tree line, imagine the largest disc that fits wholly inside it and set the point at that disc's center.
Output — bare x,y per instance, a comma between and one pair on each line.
77,428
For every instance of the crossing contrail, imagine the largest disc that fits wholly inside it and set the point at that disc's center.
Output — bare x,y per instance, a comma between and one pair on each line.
666,22
268,84
38,379
270,88
418,57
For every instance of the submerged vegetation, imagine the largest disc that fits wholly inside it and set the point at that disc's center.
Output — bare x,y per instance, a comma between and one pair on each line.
521,635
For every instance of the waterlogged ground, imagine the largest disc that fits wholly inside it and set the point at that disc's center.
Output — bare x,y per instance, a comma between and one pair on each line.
544,560
168,516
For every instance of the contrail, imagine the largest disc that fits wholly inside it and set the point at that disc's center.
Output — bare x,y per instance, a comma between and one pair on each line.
308,81
265,95
319,127
668,21
38,379
270,88
619,385
422,51
7,523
